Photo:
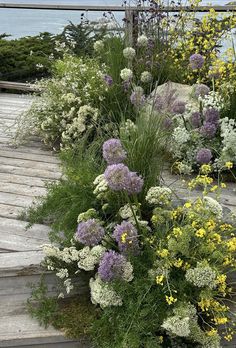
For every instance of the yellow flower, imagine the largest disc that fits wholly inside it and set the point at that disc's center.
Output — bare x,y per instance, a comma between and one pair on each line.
212,332
187,205
200,233
229,165
178,263
177,231
170,300
214,188
210,225
228,337
163,253
205,169
223,185
124,237
220,320
159,279
231,244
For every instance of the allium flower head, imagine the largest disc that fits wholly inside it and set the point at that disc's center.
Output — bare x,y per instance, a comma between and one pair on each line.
200,90
179,107
195,119
90,232
208,130
135,184
117,176
168,122
204,155
196,61
212,115
112,266
137,98
126,236
113,151
129,53
146,77
142,41
108,79
126,74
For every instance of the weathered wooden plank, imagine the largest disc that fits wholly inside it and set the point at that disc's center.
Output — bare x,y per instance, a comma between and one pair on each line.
31,181
18,227
38,173
16,200
23,190
10,211
20,263
27,163
28,156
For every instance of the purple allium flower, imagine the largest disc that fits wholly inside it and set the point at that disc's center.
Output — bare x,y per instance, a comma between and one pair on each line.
179,107
108,79
126,85
212,115
137,98
117,176
113,151
135,184
196,61
196,119
90,232
111,266
126,236
208,130
200,90
168,123
204,156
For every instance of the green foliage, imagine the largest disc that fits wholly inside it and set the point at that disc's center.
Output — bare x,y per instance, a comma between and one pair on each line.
70,196
19,57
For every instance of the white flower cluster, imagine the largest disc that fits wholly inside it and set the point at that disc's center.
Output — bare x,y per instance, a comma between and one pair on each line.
146,77
180,136
128,275
129,53
98,45
101,186
228,135
90,257
67,255
103,294
89,214
212,100
125,212
128,127
185,168
177,325
214,206
142,41
201,276
158,195
126,74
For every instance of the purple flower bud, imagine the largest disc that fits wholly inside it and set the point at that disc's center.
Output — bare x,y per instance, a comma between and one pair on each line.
196,61
212,115
117,176
111,266
200,90
196,119
113,151
208,130
90,232
167,123
108,79
135,184
179,107
204,156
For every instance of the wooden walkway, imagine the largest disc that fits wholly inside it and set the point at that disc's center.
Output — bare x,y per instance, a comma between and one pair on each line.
23,172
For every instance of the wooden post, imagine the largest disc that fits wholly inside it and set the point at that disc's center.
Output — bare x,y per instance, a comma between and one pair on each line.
131,26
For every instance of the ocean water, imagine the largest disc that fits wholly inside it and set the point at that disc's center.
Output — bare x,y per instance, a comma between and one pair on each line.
19,23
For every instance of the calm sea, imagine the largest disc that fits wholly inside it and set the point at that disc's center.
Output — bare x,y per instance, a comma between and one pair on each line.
20,23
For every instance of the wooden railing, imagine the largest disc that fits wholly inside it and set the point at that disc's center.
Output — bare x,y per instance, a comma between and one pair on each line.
131,13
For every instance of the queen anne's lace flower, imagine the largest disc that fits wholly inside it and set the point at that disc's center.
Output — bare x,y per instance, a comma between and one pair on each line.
177,325
213,206
201,276
103,294
101,186
90,257
158,195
